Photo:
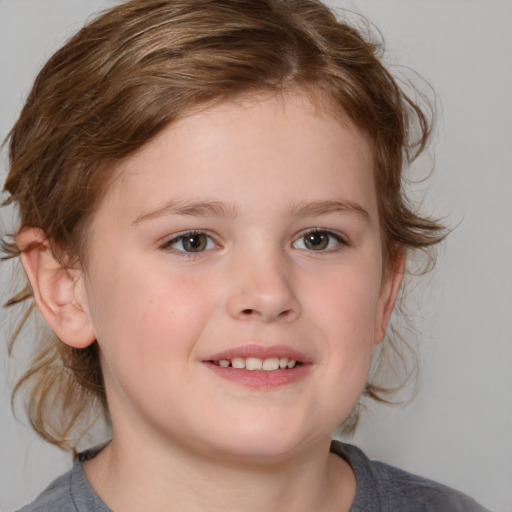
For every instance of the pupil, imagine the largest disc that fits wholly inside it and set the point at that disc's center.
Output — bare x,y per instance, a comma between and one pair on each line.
194,243
316,241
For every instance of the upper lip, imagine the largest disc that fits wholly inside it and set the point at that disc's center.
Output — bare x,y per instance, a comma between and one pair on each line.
260,351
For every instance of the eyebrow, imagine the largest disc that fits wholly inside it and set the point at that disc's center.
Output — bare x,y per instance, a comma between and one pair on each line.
318,208
229,210
190,208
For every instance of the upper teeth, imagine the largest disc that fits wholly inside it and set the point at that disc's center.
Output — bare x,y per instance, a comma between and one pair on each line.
255,363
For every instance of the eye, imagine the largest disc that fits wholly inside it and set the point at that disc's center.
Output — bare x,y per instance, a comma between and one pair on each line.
191,242
318,240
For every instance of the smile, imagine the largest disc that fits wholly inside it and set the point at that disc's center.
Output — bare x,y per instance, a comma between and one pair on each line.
256,363
260,367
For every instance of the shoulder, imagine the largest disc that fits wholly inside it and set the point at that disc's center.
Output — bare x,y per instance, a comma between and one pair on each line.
70,492
386,488
57,496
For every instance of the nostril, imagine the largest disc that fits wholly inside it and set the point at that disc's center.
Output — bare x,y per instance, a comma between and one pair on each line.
249,312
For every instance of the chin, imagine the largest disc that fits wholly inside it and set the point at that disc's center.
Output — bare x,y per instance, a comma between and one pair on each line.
262,444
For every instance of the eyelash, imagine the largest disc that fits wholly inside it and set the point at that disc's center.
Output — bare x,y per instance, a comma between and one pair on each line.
324,236
339,241
188,235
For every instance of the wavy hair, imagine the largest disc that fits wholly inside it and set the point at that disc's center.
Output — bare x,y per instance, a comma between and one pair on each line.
142,65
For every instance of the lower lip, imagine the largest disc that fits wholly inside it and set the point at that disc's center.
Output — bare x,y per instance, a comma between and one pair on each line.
260,379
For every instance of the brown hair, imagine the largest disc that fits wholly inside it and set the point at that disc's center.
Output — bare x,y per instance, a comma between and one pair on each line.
140,66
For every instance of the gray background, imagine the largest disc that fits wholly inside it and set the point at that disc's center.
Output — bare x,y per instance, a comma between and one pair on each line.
458,430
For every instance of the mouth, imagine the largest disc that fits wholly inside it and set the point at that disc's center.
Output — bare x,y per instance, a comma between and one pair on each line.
260,367
268,364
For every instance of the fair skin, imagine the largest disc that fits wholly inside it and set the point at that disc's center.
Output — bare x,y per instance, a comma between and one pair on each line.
248,229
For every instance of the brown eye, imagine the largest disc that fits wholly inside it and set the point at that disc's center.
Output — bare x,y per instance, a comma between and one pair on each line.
192,242
317,240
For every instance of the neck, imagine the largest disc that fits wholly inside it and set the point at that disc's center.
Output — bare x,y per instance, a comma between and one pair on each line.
151,478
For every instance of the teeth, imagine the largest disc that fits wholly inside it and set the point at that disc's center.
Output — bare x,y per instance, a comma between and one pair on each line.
256,363
271,364
238,362
253,363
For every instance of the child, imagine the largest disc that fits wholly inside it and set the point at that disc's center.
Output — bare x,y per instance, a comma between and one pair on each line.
213,226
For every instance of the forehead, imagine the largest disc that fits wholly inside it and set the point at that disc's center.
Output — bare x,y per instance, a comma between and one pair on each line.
303,123
266,145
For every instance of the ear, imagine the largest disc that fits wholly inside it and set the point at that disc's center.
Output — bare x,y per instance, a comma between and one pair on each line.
390,287
59,292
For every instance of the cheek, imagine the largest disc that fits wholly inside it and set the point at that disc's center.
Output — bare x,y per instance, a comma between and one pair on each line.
145,318
345,314
347,307
147,332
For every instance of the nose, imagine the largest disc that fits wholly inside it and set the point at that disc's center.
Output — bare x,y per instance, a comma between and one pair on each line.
263,289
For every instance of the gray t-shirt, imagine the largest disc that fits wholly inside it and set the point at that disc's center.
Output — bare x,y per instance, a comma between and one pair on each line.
380,488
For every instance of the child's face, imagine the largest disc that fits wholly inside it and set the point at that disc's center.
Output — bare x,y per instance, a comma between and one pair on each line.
250,229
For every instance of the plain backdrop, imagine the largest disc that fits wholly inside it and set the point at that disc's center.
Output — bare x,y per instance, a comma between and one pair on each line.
458,430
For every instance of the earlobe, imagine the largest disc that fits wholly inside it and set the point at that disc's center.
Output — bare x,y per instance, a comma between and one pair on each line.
57,290
388,294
